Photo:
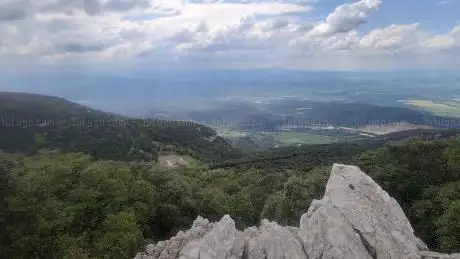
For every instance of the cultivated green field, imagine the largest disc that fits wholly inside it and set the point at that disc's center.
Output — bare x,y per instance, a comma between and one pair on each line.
440,108
290,138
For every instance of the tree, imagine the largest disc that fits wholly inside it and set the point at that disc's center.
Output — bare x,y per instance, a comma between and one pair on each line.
66,205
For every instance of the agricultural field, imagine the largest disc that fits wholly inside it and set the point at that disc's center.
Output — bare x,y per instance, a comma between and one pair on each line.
291,138
441,108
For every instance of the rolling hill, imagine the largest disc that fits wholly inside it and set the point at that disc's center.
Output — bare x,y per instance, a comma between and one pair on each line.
29,122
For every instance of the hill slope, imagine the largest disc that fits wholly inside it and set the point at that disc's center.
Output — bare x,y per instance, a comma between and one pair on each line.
29,122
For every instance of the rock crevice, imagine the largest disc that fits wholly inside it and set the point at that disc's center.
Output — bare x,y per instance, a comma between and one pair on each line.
355,219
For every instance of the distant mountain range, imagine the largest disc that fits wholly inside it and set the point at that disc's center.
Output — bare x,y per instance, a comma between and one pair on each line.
137,93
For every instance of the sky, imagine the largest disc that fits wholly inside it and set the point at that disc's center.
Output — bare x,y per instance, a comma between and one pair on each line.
236,34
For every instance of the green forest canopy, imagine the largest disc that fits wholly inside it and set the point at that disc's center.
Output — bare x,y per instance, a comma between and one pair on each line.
70,205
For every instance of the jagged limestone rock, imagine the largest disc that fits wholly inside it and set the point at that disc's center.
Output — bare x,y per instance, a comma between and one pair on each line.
356,219
221,242
326,233
421,245
356,215
273,241
170,249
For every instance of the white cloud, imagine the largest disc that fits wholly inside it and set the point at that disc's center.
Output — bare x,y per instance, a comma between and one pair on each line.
336,33
227,13
248,32
346,17
445,42
393,38
11,10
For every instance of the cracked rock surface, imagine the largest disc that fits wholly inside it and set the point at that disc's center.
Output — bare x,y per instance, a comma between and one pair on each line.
355,219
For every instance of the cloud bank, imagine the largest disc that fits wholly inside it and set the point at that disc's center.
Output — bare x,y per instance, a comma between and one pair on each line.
238,33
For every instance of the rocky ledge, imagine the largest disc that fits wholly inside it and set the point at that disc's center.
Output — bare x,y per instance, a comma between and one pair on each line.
355,219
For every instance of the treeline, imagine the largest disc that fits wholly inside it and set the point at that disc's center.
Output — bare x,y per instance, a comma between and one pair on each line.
69,205
306,157
57,205
310,156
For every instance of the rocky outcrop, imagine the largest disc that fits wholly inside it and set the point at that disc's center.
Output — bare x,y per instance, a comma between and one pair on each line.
355,219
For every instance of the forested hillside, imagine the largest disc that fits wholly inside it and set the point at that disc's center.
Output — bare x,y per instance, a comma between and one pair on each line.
310,156
31,122
70,204
70,191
